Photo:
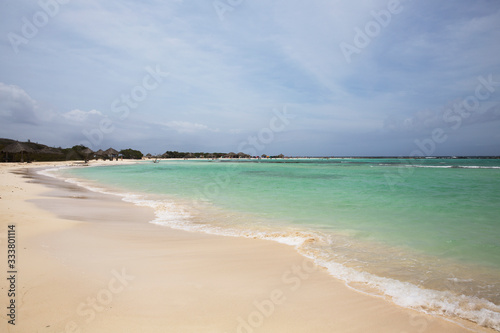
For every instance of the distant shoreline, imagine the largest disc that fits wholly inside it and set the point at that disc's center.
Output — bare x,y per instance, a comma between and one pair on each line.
36,152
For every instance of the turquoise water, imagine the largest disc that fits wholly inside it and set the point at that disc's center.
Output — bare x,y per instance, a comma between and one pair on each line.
423,233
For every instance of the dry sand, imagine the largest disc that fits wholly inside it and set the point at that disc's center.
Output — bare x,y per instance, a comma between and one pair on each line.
88,262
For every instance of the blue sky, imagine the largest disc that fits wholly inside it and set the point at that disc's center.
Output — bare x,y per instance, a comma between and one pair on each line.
295,77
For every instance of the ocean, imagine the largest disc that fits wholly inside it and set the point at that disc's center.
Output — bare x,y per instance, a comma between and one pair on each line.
423,233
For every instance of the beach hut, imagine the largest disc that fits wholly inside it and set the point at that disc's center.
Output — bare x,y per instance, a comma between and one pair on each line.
86,153
18,147
100,153
242,155
111,153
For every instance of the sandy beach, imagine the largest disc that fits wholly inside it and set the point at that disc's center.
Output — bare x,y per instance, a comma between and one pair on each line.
89,262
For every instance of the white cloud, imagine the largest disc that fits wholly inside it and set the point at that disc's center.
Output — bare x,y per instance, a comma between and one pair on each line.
188,127
16,105
79,115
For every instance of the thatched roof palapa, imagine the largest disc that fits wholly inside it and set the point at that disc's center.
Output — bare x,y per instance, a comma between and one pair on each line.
17,147
86,151
111,151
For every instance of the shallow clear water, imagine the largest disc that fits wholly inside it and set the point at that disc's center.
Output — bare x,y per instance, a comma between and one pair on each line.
424,233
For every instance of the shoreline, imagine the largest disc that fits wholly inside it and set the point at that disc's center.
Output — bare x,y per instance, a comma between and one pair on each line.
79,246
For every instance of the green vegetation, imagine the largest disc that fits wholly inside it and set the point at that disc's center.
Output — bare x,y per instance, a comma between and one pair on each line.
33,151
38,152
131,154
176,154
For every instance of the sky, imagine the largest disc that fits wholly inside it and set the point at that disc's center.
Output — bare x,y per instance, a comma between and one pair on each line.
316,78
